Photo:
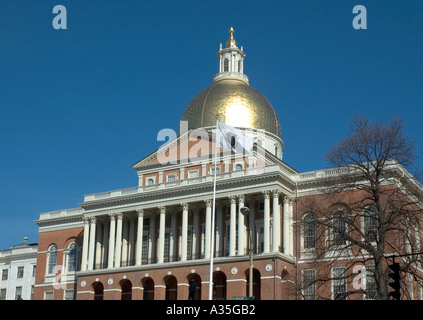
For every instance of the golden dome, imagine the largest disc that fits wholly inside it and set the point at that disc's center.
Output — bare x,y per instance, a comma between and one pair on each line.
236,103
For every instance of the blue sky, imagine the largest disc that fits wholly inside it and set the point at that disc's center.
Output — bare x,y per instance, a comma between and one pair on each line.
79,106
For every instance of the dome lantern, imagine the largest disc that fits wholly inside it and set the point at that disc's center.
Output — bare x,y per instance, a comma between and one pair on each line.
231,61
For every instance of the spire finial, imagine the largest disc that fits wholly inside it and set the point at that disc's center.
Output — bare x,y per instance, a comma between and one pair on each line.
231,43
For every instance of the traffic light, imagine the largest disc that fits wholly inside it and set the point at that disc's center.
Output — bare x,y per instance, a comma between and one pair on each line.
395,283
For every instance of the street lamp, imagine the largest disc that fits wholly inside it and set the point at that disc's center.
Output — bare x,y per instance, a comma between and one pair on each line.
246,212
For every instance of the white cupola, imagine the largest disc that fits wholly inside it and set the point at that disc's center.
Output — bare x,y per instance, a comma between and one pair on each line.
231,61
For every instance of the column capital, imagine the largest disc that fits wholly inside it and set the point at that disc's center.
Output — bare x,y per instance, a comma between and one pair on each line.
266,194
241,198
233,199
287,199
112,216
86,220
208,202
185,206
93,220
140,212
275,193
162,209
119,215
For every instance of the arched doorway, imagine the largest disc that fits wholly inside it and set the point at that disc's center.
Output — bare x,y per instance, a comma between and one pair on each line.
171,288
148,286
219,287
256,283
197,281
98,291
126,287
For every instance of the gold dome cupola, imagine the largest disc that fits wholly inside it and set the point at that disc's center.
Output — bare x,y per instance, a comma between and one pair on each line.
232,98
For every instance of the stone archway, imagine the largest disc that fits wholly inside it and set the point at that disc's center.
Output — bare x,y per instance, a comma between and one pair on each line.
148,286
219,287
98,291
197,281
171,288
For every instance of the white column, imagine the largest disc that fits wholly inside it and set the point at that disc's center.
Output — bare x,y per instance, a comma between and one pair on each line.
208,228
291,227
286,224
125,233
219,231
85,244
173,256
232,227
152,240
184,236
98,245
140,229
266,223
196,234
160,249
118,249
111,241
131,243
276,222
106,227
241,227
92,244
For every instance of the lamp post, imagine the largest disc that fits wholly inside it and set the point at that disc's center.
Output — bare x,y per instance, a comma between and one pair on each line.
246,212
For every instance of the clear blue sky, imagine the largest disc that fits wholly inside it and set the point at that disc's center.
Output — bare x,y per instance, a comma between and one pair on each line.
79,106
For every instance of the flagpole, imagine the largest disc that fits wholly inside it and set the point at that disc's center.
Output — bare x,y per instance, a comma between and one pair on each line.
213,215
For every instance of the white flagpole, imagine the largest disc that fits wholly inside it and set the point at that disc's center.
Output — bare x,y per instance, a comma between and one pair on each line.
213,214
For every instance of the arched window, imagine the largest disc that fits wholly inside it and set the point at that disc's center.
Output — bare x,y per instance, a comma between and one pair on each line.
126,286
309,231
219,288
238,167
51,259
226,65
148,285
256,283
98,291
339,228
371,223
72,257
150,181
171,288
197,281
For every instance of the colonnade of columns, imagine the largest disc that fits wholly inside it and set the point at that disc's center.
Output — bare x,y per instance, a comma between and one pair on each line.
116,240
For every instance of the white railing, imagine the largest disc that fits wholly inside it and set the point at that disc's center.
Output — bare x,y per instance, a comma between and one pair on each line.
178,183
60,213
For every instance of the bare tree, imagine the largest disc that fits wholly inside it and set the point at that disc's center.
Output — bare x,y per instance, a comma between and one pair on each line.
370,212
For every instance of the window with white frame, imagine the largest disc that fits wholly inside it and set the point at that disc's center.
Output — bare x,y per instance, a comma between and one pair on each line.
171,177
371,223
72,256
238,167
339,228
18,293
212,170
309,231
309,284
48,295
51,259
20,272
339,283
370,282
4,274
2,294
69,294
150,181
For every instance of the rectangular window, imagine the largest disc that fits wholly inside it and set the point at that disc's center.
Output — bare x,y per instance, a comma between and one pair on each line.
370,282
145,237
212,170
48,295
309,284
339,283
18,293
32,292
34,270
69,294
171,177
2,294
4,274
20,272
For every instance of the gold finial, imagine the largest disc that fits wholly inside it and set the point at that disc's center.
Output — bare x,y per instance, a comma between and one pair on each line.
231,43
